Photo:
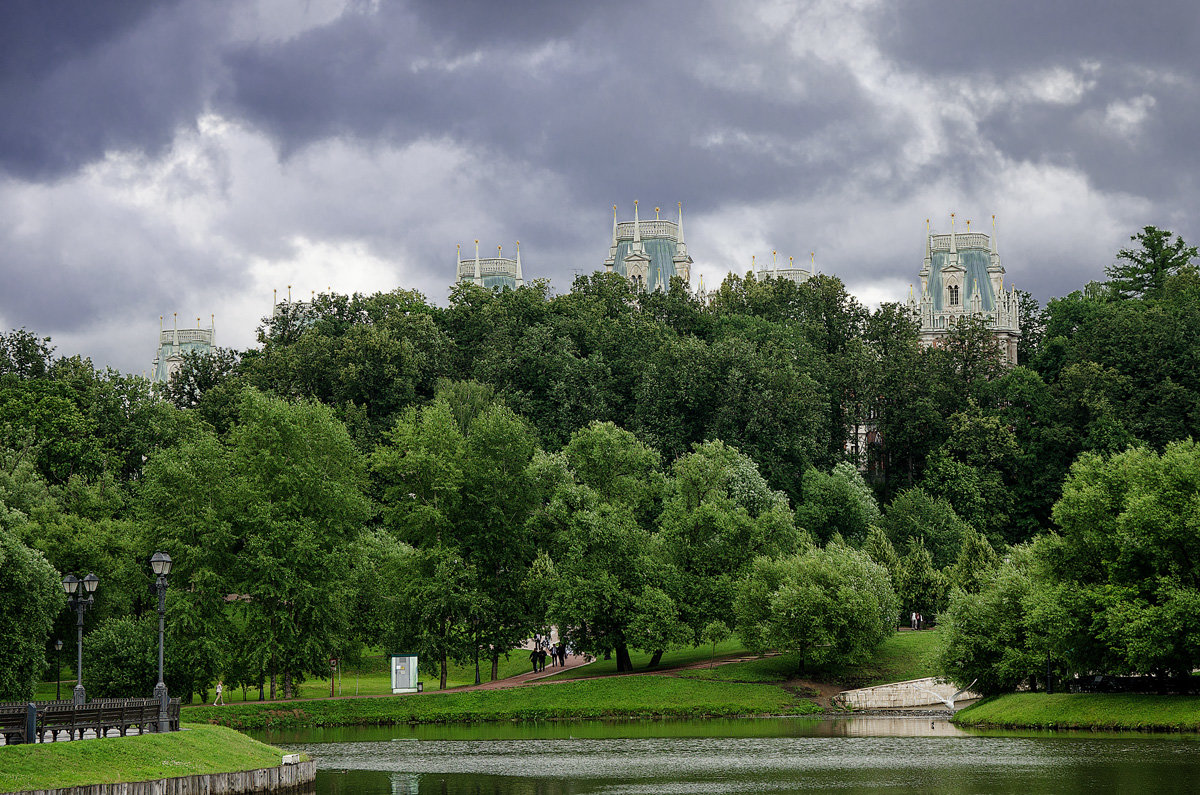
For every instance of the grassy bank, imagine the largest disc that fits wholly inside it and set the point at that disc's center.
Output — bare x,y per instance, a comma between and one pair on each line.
905,655
624,697
674,658
200,749
1085,711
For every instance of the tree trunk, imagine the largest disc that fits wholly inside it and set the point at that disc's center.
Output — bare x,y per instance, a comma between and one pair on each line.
261,695
624,664
272,685
495,664
655,659
445,665
287,684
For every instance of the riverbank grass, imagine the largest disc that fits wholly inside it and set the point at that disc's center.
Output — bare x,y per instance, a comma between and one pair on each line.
1085,711
197,750
616,697
903,656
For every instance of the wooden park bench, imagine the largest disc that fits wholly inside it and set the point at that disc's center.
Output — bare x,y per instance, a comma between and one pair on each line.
14,719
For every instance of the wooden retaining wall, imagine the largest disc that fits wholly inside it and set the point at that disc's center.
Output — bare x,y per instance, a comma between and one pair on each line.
286,778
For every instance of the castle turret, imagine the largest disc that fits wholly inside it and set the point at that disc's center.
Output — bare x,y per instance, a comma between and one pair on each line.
496,272
649,252
961,276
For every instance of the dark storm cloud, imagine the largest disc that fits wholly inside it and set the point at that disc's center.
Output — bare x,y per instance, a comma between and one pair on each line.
1006,38
1122,51
82,78
619,110
241,135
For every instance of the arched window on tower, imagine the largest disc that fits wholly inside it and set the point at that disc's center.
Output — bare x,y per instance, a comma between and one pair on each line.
952,295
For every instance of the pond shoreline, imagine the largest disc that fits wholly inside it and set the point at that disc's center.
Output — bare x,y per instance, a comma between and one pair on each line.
1085,711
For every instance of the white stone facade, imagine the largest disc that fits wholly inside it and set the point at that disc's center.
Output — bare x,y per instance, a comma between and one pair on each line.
962,276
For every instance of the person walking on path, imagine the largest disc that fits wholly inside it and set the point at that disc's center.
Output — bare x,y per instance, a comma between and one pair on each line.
219,700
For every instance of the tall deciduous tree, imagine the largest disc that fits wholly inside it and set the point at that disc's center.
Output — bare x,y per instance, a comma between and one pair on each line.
30,598
266,520
833,605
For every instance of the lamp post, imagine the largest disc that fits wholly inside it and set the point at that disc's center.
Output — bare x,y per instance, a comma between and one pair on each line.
58,670
80,599
160,563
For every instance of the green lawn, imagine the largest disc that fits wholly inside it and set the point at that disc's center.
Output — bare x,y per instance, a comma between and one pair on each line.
373,678
905,655
1085,711
628,697
199,749
670,659
369,679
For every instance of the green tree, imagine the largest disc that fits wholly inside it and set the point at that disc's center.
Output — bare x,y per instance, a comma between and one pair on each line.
986,634
839,503
30,599
122,658
915,513
270,516
1129,542
198,373
833,605
920,587
1143,272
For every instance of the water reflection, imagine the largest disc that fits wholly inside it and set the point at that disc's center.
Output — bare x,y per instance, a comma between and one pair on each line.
782,755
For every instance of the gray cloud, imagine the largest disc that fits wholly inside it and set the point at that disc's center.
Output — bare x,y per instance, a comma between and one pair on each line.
194,155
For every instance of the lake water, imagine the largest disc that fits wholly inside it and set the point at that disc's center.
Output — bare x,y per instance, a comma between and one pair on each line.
773,755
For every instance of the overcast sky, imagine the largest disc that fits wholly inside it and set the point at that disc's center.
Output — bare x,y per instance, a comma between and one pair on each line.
160,157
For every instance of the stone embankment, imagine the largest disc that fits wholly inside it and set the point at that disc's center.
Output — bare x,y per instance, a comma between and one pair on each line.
913,694
295,777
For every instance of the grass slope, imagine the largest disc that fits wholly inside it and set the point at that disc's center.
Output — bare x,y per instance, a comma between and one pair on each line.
905,655
671,659
1085,711
625,697
371,678
200,749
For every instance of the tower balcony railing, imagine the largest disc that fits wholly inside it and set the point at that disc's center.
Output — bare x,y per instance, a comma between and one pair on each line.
488,266
656,227
961,240
185,335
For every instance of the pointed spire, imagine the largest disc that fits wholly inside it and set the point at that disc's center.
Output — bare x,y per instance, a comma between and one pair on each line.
995,249
774,264
160,322
791,263
812,263
520,275
953,243
681,223
637,232
458,255
614,242
656,212
499,252
478,270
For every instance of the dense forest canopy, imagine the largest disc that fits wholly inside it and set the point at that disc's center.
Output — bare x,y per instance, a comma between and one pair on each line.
630,467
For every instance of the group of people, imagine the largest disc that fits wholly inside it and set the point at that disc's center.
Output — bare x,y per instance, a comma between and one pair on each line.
918,621
543,648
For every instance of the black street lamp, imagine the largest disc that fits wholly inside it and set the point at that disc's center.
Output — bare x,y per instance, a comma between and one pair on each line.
58,670
160,563
80,599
